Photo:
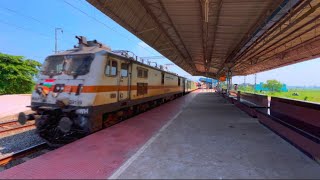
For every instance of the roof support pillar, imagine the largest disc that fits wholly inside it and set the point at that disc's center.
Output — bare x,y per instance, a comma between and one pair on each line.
229,81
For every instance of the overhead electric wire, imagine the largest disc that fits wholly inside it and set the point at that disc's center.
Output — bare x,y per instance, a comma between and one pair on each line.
104,24
16,12
65,30
25,29
83,2
47,36
37,20
32,18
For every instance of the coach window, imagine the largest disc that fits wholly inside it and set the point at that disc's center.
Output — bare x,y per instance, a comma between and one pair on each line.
114,68
124,70
107,70
178,81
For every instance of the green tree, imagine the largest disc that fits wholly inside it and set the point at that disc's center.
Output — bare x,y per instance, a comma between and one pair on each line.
273,85
17,74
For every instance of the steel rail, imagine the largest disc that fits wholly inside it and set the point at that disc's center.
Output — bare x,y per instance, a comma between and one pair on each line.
5,160
4,129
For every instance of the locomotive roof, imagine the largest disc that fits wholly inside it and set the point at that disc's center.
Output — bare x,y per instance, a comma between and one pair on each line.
142,64
96,49
83,50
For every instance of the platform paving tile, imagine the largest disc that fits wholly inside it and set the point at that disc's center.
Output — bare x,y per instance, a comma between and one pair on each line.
211,138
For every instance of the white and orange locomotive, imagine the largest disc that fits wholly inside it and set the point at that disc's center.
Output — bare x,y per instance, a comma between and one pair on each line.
85,89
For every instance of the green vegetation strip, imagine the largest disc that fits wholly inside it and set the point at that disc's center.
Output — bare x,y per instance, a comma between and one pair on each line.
298,94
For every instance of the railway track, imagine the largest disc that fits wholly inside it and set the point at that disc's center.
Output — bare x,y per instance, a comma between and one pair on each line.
20,154
14,126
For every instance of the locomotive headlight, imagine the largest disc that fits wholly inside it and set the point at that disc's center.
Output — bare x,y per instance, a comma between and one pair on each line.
58,88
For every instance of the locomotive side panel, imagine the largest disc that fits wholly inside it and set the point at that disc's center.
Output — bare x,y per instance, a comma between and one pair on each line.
149,82
145,82
107,88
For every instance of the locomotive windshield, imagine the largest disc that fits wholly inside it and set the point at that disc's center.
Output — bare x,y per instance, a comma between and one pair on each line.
69,64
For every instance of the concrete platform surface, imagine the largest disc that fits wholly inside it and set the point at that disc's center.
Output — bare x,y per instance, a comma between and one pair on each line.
213,139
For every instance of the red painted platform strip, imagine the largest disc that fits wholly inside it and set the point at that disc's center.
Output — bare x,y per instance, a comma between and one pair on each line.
99,155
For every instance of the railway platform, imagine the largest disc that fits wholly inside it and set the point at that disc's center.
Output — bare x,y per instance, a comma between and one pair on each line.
200,135
11,104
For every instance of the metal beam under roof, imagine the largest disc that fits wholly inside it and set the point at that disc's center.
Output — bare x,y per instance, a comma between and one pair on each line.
210,37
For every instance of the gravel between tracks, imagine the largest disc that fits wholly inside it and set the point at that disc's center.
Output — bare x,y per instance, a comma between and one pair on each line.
13,143
10,144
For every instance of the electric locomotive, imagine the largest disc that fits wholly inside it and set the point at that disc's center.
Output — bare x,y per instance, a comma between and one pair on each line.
84,89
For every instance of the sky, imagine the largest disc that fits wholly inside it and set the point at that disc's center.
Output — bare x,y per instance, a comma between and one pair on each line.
27,28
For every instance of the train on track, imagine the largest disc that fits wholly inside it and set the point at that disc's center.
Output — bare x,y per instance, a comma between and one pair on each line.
90,87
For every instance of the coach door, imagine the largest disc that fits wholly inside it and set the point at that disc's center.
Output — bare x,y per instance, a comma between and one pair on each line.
184,85
124,81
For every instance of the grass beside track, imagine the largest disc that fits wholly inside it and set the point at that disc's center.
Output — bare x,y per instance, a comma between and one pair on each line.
307,95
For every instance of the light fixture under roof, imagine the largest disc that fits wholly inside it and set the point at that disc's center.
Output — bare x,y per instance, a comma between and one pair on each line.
206,11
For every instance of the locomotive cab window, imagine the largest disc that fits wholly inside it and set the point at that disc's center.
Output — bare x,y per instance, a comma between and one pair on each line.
69,64
124,70
107,70
111,68
114,68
